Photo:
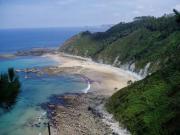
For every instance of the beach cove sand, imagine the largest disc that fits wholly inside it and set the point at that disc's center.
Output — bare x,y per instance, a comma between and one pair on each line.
84,113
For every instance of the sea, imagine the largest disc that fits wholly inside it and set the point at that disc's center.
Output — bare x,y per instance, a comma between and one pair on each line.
27,116
12,40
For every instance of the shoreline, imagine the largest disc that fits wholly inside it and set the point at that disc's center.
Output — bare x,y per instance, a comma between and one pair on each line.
56,57
106,80
84,111
106,77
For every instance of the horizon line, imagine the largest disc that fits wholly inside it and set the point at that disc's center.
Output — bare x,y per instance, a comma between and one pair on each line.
51,27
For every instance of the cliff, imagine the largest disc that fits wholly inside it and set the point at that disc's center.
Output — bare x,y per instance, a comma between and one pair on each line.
142,46
150,47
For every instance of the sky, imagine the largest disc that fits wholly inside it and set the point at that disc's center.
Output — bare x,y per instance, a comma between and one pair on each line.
73,13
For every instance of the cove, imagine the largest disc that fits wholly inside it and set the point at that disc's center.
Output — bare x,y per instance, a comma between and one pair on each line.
27,116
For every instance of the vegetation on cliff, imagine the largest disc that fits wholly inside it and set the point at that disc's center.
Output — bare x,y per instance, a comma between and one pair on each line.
135,44
150,106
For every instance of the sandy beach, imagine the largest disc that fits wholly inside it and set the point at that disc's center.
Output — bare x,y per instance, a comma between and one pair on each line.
84,114
107,79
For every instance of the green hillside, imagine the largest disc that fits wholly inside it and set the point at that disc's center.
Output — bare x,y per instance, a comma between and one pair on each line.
145,42
151,106
151,47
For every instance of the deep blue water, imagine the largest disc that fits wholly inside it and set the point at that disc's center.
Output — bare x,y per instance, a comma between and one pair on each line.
36,89
12,40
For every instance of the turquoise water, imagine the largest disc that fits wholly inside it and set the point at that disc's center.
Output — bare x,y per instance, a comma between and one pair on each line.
25,62
34,91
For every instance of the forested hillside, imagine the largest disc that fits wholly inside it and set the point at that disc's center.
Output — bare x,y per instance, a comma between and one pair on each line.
151,47
143,45
151,106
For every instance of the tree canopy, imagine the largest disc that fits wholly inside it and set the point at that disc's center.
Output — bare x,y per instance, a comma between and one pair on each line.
9,88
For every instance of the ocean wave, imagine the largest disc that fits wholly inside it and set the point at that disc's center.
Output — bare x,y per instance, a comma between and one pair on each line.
87,88
109,120
88,81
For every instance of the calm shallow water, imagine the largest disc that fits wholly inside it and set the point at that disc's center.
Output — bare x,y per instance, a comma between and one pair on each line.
25,62
34,91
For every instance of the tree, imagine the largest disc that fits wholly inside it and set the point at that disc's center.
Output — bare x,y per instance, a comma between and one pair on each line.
177,13
129,82
9,88
11,74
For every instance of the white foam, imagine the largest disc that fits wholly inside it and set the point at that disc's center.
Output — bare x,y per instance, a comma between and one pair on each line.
87,88
44,113
41,115
114,125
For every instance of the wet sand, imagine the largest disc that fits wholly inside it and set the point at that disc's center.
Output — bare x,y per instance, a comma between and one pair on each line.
84,114
108,79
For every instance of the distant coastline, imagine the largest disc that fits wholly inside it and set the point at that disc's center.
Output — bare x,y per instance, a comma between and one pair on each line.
19,39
